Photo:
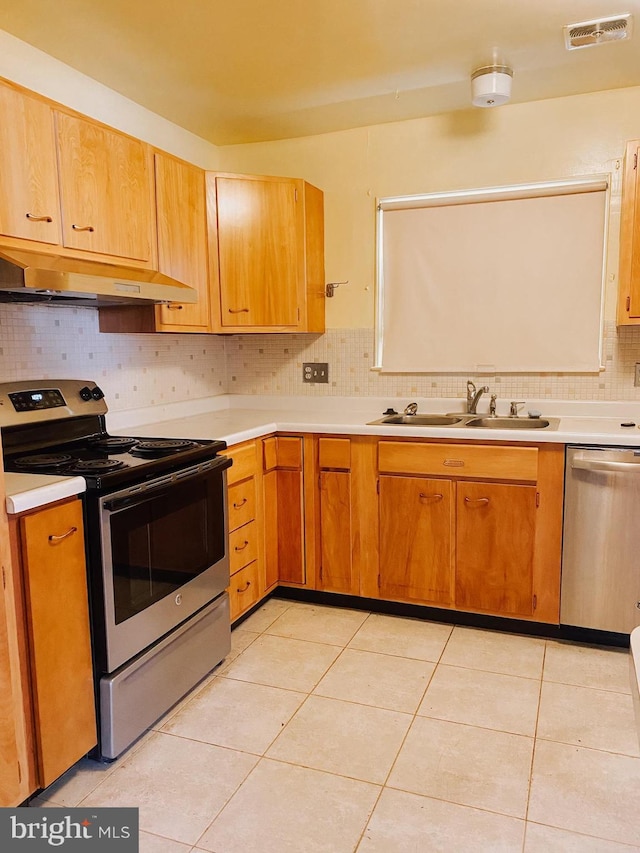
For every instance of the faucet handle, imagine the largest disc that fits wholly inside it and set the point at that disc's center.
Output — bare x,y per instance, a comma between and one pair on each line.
411,409
471,389
492,405
514,407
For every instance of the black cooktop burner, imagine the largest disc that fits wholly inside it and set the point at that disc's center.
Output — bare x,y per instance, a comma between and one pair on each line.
113,443
43,460
161,446
95,466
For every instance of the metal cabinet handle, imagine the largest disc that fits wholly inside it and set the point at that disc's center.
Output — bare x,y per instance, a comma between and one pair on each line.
238,310
246,587
238,505
454,463
83,227
55,539
435,497
34,218
476,501
175,307
241,547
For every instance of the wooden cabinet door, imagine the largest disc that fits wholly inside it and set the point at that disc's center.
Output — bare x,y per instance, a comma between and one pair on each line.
336,564
416,539
59,640
495,547
259,225
106,190
182,240
629,273
29,206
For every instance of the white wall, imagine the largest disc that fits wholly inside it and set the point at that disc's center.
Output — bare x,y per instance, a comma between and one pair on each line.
518,143
29,67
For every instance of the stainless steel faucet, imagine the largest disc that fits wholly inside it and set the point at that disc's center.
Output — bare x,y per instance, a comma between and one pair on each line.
411,409
514,408
473,396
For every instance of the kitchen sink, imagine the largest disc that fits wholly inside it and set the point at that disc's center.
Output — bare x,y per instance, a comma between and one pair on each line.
420,420
512,423
465,420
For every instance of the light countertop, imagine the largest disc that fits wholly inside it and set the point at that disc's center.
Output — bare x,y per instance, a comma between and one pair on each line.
235,419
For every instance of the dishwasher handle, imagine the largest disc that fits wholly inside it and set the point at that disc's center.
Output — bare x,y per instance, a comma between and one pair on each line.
606,465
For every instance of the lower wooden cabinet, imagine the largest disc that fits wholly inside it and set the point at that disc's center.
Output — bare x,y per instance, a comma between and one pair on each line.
466,526
48,546
416,539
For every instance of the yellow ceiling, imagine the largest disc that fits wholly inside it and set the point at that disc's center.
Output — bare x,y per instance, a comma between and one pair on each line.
248,70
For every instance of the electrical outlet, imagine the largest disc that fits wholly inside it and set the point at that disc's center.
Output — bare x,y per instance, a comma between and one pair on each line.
636,375
315,371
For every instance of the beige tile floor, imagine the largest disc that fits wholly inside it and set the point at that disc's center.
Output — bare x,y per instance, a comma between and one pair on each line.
336,730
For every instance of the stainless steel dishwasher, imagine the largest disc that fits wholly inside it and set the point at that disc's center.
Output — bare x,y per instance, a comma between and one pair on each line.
601,544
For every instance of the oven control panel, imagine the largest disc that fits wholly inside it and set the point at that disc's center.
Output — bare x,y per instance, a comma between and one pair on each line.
28,401
24,402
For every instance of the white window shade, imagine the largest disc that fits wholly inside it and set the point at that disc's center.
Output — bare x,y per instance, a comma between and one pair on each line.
500,280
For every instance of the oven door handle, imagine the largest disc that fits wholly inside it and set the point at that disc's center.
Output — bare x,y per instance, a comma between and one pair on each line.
147,494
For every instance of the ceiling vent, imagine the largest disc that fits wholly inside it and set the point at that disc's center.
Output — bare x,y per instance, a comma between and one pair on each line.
601,31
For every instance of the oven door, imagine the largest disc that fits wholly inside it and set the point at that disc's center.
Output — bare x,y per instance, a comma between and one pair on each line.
164,555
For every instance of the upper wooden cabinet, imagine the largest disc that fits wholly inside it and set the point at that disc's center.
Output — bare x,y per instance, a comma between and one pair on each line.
182,241
629,273
266,253
106,190
29,205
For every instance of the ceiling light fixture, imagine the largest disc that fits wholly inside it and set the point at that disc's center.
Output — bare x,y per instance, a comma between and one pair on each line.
491,85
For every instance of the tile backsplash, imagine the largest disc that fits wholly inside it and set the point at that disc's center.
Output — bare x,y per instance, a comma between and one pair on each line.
144,370
133,370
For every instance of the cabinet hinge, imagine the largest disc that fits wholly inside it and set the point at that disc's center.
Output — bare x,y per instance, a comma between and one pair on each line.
535,601
537,499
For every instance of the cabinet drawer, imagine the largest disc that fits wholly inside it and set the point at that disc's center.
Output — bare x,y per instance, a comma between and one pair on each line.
459,460
244,590
243,546
241,501
244,463
334,453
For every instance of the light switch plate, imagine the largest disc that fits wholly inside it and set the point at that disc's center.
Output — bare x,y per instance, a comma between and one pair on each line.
315,371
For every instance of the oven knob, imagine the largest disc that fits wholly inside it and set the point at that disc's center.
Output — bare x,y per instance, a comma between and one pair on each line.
97,393
178,599
85,393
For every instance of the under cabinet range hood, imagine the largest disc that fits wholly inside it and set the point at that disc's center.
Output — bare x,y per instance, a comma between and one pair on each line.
34,277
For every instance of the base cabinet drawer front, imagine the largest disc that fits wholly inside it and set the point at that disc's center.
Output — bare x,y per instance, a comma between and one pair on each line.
244,462
241,503
458,460
244,590
495,544
243,546
416,539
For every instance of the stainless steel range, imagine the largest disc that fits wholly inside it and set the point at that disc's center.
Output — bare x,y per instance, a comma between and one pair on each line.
156,544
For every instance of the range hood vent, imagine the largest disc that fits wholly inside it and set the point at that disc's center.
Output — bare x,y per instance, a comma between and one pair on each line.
600,31
34,277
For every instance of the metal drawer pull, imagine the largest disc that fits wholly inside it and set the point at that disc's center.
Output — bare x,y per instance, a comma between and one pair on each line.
83,227
53,539
242,547
34,218
454,463
238,505
436,497
476,501
246,587
238,310
175,307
